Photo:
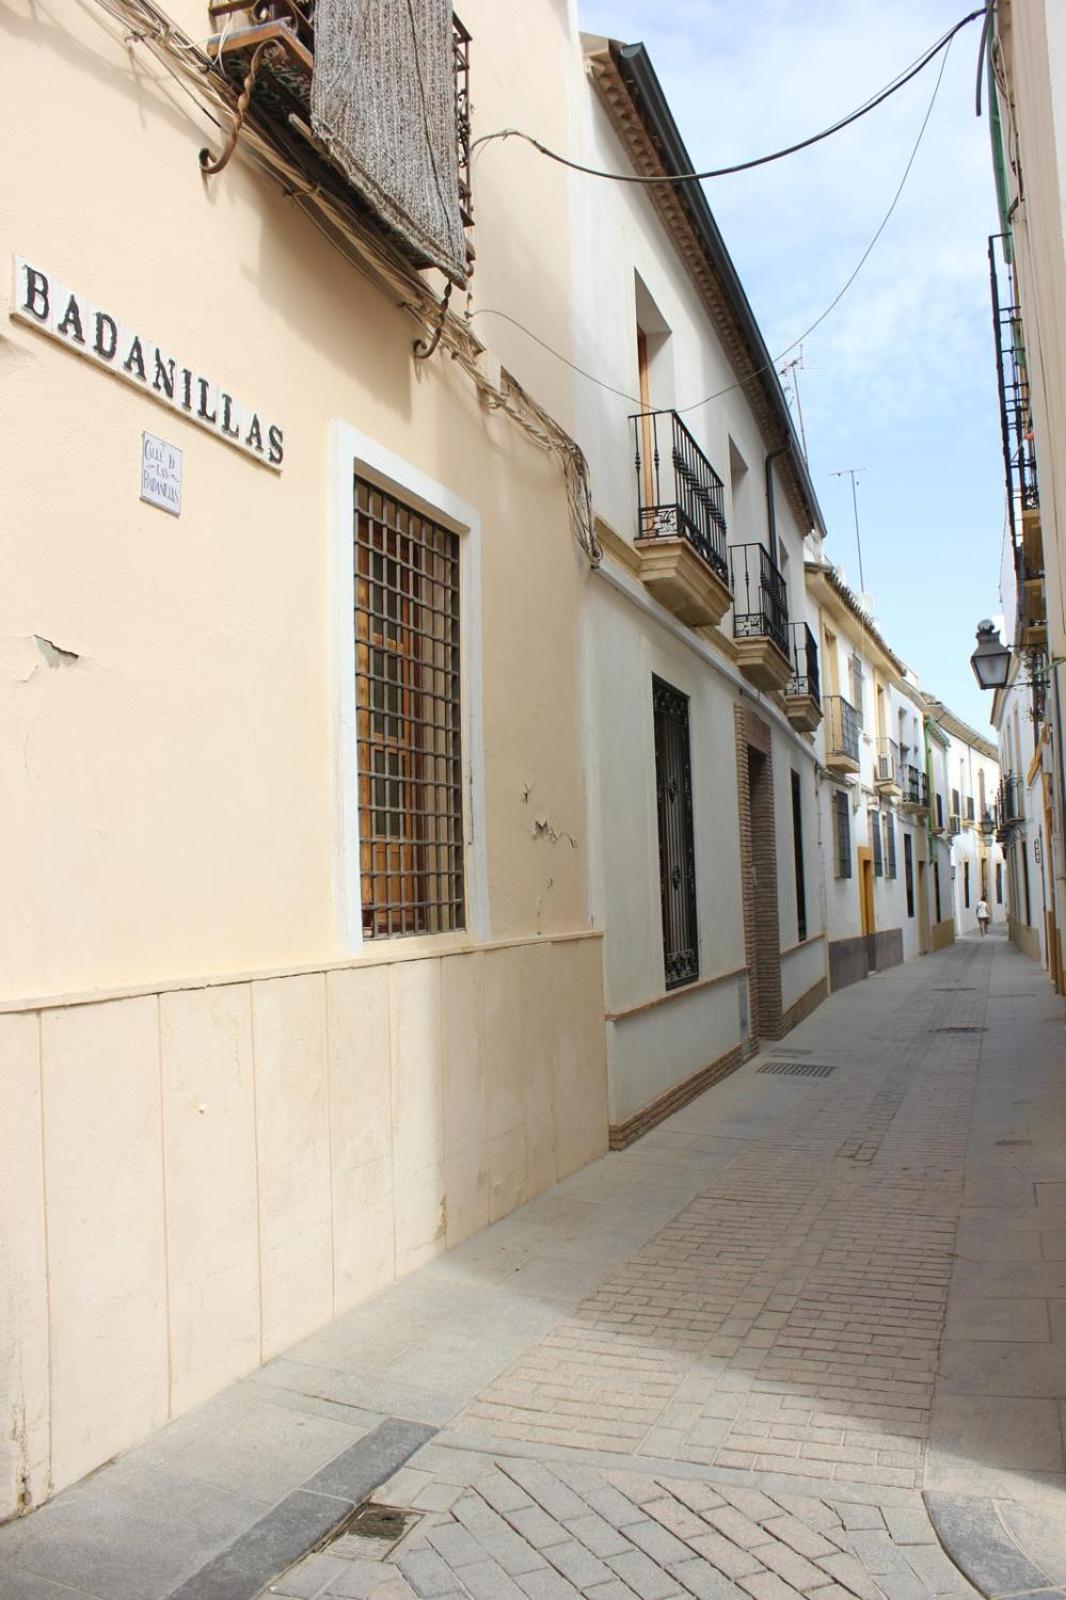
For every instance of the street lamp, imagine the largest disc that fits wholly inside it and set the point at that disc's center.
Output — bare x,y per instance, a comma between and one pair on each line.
987,825
991,660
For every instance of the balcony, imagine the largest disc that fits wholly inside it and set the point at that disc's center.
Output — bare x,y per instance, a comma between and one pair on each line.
841,735
760,617
915,796
1019,450
1010,807
266,50
803,699
680,521
889,777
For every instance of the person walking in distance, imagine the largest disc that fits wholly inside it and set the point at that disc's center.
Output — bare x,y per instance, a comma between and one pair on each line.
984,916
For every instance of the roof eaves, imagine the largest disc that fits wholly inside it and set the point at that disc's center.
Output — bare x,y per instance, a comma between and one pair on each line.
633,65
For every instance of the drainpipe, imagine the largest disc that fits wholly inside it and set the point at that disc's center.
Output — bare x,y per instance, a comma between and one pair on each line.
771,512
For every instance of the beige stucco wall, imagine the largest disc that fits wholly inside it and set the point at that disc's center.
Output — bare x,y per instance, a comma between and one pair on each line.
272,1152
256,1125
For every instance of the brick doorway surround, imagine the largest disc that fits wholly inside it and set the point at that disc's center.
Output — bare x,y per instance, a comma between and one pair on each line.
758,872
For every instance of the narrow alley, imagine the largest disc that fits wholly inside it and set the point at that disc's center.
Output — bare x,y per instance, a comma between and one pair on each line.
807,1335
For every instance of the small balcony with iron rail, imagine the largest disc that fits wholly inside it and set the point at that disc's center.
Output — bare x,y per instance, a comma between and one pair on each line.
803,697
681,528
915,796
1010,807
841,735
760,617
889,775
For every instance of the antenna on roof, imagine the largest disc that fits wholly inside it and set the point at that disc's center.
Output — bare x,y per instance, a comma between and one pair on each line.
853,473
792,368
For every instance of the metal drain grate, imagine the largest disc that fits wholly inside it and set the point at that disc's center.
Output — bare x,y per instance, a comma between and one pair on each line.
1013,1143
965,1027
370,1532
798,1069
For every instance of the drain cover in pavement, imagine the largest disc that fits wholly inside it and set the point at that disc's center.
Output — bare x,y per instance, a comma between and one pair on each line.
967,1027
1013,1143
798,1069
370,1531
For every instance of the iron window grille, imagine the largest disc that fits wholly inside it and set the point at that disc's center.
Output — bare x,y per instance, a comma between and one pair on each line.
940,811
966,884
908,872
760,597
797,846
999,883
890,845
677,848
970,813
408,725
875,842
679,494
842,832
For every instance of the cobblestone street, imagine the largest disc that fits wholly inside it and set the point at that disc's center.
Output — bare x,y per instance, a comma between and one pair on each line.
807,1336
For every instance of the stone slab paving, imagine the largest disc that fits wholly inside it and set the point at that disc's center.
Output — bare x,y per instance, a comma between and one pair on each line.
723,1363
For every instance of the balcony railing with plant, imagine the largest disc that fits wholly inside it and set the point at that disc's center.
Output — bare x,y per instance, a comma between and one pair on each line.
915,787
841,728
679,494
760,596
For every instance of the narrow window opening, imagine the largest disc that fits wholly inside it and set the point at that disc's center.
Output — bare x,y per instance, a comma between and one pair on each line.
677,851
797,845
908,872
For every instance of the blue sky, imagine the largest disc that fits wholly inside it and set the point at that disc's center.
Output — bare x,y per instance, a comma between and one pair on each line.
901,378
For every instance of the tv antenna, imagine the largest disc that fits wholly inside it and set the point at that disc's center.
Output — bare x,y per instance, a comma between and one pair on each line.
853,473
792,369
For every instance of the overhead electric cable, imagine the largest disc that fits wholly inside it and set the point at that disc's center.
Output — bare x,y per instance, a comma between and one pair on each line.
891,88
491,311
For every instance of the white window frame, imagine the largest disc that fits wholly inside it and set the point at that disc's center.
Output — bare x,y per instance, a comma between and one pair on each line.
353,453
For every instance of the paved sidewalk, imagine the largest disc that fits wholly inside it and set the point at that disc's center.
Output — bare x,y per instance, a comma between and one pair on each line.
725,1362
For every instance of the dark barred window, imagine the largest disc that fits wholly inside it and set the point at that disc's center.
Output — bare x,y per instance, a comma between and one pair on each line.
842,832
677,852
875,841
407,718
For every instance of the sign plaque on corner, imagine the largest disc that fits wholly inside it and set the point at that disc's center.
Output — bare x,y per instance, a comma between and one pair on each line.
161,474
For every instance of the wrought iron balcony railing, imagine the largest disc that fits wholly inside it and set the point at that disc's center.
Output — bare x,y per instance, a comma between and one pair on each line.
841,728
889,766
1010,809
679,494
1016,426
915,786
804,679
760,598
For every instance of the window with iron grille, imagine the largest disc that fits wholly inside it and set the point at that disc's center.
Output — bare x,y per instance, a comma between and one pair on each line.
940,810
875,841
966,884
999,883
955,811
936,891
842,832
407,718
890,845
677,848
797,846
908,872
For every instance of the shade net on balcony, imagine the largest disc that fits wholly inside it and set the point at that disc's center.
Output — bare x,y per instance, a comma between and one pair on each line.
383,104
